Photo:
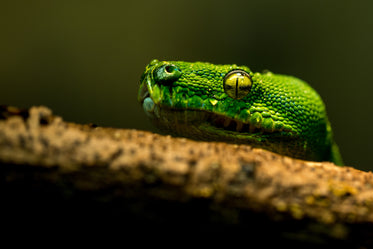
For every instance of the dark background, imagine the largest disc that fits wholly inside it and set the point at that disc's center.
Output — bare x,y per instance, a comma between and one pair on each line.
83,59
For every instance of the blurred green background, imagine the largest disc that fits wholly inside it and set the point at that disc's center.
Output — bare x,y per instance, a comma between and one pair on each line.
83,59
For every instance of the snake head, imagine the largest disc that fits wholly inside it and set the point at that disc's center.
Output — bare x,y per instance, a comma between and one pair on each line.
233,104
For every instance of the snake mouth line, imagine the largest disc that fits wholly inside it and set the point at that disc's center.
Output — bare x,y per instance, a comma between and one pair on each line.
197,116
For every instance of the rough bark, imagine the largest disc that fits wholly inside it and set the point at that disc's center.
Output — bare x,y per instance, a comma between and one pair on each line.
56,172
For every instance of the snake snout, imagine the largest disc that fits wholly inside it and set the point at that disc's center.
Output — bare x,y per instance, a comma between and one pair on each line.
166,74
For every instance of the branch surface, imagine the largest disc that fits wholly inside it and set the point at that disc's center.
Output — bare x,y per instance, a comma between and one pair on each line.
150,181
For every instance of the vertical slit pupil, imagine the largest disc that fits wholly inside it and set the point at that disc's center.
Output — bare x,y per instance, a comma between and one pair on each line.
236,93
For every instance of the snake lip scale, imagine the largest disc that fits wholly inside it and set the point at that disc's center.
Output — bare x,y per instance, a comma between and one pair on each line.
215,120
231,124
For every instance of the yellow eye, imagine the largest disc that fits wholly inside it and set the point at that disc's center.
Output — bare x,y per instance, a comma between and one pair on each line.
237,84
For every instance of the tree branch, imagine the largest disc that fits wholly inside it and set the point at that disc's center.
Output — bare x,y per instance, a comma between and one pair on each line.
150,181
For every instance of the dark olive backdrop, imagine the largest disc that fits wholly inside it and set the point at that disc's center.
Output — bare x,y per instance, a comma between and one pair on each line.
83,58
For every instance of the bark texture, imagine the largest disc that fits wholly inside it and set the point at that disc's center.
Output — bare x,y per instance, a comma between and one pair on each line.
54,172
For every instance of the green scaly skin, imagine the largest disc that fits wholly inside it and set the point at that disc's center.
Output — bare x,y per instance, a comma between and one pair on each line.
280,113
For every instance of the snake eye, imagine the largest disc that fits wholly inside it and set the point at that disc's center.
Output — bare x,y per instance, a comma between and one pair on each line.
237,84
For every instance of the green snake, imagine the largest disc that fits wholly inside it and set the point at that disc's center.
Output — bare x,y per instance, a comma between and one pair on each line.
231,103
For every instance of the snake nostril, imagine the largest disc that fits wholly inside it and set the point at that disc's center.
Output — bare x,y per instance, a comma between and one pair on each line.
166,74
